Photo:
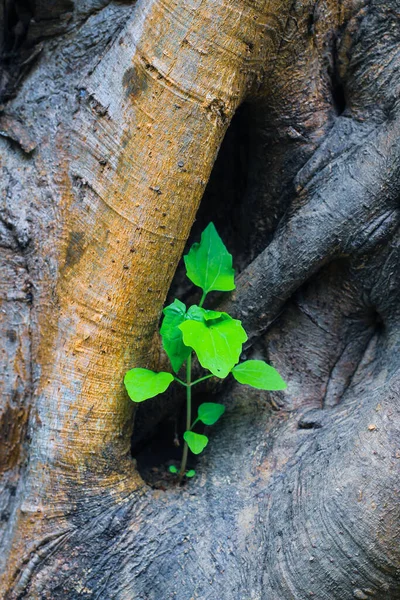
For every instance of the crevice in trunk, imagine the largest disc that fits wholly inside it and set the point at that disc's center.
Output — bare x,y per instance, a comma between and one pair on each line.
14,55
338,96
163,444
337,86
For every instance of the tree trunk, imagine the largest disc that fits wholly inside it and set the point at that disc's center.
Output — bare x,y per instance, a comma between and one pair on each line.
111,119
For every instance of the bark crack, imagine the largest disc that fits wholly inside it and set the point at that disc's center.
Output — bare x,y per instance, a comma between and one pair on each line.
42,551
349,378
313,319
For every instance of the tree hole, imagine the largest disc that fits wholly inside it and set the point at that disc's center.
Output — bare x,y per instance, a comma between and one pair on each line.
338,96
309,424
162,445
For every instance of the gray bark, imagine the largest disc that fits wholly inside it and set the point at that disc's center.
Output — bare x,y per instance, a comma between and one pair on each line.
297,494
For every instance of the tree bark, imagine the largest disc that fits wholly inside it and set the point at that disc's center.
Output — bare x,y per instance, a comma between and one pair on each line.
112,117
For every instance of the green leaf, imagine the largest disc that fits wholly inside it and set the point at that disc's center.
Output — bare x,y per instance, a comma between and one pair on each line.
172,469
217,340
209,264
196,313
259,375
210,412
191,473
172,341
142,384
195,441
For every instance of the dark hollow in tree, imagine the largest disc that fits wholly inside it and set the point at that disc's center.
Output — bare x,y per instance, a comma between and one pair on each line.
111,118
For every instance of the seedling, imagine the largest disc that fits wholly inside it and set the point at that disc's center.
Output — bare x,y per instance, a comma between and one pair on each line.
215,337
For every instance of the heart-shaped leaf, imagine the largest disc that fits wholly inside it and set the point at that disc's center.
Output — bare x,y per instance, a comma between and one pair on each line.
196,313
210,412
209,264
217,341
172,340
190,473
195,441
142,384
258,374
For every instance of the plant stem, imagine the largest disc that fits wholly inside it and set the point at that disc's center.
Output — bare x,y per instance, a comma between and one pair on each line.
180,381
193,382
188,414
201,379
202,299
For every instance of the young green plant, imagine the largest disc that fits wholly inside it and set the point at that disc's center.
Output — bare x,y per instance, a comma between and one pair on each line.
215,337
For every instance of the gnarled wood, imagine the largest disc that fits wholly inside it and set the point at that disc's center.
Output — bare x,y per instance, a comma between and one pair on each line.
111,121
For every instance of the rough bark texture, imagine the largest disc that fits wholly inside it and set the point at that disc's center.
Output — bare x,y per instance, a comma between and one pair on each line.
111,118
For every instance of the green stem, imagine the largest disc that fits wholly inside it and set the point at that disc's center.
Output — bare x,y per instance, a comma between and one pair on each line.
201,379
202,299
194,423
180,381
188,414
